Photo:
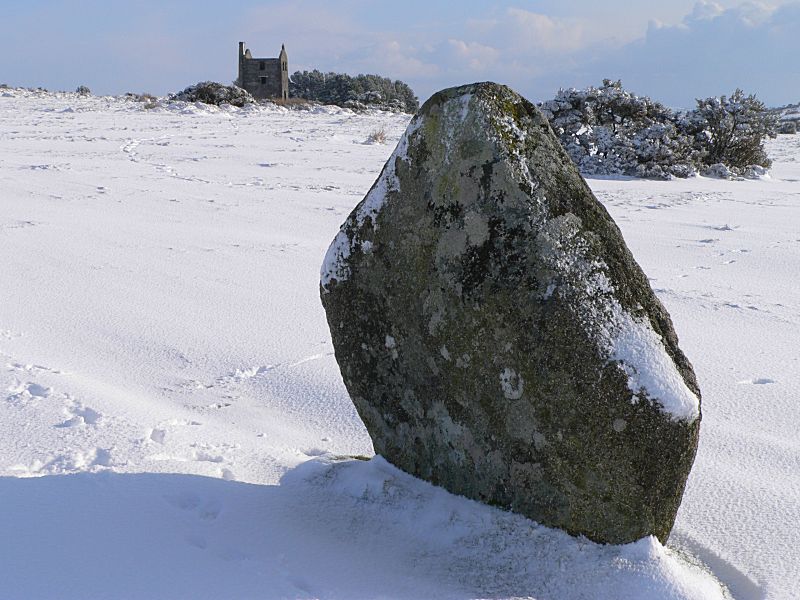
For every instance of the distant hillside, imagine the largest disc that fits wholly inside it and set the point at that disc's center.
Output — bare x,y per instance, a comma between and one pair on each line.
788,117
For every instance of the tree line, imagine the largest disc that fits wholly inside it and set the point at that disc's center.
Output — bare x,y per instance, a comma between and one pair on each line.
359,91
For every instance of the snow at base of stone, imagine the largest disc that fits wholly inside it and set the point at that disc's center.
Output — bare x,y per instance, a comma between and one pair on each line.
482,545
334,266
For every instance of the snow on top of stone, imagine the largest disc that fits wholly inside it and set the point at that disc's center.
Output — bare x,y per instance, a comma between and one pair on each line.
334,265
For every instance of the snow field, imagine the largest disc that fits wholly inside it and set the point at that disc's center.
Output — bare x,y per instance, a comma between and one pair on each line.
171,412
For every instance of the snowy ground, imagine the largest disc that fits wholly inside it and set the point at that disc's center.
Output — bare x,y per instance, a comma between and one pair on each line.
172,420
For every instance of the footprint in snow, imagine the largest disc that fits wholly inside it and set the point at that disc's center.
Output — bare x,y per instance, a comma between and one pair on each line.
22,393
189,501
76,461
78,414
314,452
196,540
757,381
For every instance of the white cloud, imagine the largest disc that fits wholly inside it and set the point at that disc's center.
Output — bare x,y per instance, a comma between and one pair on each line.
704,10
712,52
400,60
476,56
541,32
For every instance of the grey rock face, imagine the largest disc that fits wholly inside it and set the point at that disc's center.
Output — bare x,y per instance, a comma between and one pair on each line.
496,335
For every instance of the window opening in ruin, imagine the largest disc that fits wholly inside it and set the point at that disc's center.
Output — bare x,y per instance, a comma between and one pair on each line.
263,81
261,66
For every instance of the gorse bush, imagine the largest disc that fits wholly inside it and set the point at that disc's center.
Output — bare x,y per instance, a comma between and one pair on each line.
360,91
211,92
733,129
610,131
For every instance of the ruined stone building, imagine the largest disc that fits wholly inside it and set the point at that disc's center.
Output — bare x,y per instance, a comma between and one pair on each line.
263,77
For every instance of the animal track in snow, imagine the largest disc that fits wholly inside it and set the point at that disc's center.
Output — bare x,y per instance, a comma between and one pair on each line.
310,358
18,225
757,381
30,368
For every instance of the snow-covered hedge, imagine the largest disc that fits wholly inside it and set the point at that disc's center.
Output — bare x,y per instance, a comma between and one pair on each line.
788,118
211,92
610,131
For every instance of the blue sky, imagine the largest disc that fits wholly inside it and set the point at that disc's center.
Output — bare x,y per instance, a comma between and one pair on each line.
674,51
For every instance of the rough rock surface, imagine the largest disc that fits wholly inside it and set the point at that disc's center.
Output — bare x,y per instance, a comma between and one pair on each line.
496,335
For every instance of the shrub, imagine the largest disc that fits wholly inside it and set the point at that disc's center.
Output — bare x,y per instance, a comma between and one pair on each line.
733,130
788,127
293,103
610,131
377,136
145,97
211,92
359,92
83,90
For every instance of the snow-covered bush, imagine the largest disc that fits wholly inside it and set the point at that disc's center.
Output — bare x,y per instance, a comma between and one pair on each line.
608,130
211,92
82,90
789,127
359,92
733,130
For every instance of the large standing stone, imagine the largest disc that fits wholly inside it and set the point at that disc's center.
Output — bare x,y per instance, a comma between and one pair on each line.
496,335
